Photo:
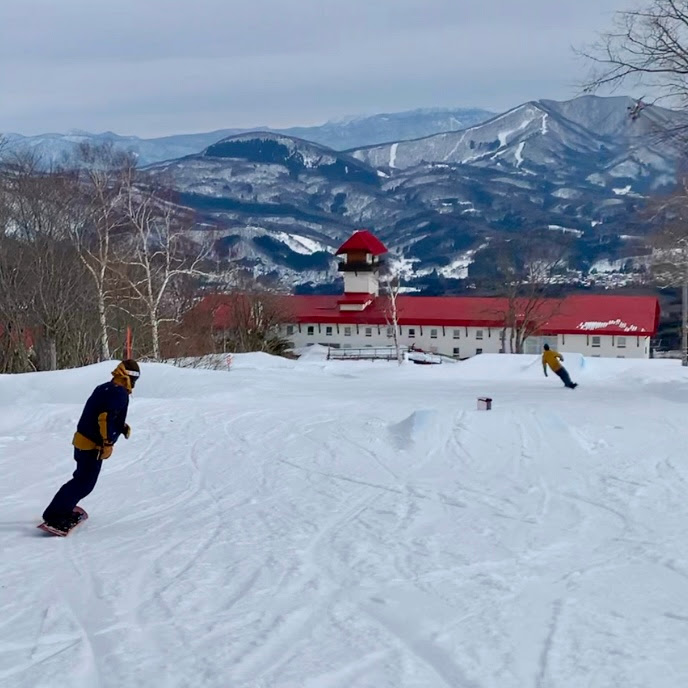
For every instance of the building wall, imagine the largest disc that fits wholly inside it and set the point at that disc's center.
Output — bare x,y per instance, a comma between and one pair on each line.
606,346
462,342
459,342
361,283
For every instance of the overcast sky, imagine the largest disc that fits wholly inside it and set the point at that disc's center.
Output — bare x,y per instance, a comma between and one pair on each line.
156,67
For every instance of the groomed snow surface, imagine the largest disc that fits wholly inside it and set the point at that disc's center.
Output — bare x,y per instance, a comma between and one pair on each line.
354,525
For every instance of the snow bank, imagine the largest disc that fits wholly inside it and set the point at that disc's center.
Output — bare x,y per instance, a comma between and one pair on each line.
511,366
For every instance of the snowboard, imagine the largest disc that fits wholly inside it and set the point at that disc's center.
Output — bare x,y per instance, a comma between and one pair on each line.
63,533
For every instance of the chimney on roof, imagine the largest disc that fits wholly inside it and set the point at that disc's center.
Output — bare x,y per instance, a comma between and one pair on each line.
362,263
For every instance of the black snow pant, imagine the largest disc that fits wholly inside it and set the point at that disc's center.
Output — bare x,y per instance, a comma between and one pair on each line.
565,378
82,483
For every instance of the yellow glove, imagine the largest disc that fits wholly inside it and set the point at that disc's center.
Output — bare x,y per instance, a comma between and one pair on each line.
126,432
105,452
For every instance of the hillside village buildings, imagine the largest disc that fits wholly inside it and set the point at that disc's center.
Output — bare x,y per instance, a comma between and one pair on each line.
459,326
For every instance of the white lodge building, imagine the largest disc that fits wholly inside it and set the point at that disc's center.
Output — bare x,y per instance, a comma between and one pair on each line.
458,326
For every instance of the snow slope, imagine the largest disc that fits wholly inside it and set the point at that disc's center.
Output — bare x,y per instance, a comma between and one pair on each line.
354,525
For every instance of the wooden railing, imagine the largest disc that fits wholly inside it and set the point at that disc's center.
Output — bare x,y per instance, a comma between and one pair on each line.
386,353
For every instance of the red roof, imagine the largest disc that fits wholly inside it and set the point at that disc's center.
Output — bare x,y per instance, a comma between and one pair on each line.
362,240
577,314
356,298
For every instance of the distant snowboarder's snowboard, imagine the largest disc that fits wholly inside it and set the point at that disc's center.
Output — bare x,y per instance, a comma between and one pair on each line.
63,533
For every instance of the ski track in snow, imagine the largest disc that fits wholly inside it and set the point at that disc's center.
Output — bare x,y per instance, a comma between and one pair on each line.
393,155
545,127
519,153
354,525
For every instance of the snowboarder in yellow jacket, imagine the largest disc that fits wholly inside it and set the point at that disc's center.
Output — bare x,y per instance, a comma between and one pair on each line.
554,359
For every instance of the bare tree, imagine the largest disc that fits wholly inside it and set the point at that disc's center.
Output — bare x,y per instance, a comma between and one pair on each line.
103,175
524,276
157,252
670,251
41,209
252,317
647,46
391,284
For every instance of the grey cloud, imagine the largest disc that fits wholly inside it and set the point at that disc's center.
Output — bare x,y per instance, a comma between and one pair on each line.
159,67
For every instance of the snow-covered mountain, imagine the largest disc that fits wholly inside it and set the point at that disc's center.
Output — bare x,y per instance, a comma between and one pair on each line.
581,167
594,139
347,133
395,126
282,203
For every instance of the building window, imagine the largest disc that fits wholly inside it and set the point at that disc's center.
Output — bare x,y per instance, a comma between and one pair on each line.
478,351
368,331
479,334
311,329
433,334
621,342
328,330
290,330
390,331
347,331
455,352
596,342
456,334
411,332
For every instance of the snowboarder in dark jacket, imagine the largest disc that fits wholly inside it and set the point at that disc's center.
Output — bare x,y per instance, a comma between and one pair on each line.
102,421
553,359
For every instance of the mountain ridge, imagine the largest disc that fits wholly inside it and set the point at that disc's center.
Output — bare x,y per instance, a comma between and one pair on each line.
531,167
282,204
355,131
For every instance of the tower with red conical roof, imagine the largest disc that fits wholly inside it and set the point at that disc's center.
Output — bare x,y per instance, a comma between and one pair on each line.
361,266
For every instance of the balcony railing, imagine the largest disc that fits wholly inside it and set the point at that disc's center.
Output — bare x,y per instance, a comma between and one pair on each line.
359,266
381,353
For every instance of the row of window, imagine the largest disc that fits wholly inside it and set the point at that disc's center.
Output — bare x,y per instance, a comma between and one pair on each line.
411,332
596,340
